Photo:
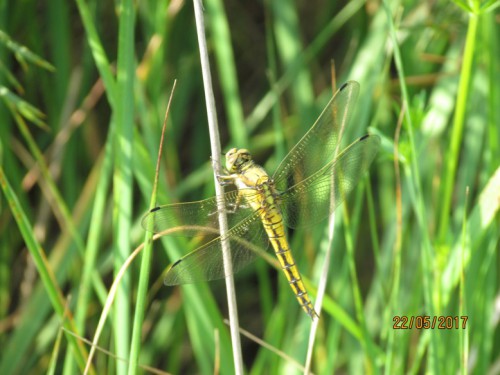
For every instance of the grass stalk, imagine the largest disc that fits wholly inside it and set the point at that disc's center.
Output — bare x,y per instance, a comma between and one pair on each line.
43,267
98,51
113,292
147,254
416,190
59,158
463,335
122,174
216,152
92,246
453,154
224,58
394,297
302,59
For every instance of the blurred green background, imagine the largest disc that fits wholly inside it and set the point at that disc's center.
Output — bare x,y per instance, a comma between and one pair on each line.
84,88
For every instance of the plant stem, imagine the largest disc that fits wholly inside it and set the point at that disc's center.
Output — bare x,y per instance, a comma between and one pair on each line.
458,126
216,151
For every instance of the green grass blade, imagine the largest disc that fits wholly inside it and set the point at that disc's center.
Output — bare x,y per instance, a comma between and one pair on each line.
44,269
122,175
227,71
98,51
458,125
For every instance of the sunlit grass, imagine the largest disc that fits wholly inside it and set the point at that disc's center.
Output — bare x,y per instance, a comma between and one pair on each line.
77,168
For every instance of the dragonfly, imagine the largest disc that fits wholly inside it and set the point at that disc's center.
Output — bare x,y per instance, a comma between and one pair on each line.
307,186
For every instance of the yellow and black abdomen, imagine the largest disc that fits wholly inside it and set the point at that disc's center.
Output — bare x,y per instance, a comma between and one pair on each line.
259,192
272,220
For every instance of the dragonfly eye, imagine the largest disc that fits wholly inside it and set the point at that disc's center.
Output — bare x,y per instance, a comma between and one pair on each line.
236,158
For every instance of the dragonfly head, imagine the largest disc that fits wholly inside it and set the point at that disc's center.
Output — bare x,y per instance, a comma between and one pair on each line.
236,159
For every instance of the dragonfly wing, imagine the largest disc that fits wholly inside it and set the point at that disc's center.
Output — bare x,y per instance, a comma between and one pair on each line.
246,240
195,218
314,198
318,146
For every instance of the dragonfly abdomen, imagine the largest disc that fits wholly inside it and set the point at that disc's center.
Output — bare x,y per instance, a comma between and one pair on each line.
261,194
273,224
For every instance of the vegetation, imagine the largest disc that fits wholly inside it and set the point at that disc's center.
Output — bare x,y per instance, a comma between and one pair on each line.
85,87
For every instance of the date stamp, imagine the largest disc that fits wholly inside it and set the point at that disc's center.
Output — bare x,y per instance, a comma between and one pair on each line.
430,322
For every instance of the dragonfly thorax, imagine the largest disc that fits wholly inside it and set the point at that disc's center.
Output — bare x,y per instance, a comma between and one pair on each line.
238,160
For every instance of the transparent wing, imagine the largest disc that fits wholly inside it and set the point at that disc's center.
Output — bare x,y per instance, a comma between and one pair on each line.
195,218
317,196
317,147
246,240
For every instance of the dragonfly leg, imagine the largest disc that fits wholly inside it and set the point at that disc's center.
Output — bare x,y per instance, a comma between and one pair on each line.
233,207
225,179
